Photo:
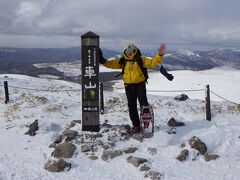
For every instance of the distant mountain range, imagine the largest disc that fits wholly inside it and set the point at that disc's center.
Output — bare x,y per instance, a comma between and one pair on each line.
40,55
201,60
20,61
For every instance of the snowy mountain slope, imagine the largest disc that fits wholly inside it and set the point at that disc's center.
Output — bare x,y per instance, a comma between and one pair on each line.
23,156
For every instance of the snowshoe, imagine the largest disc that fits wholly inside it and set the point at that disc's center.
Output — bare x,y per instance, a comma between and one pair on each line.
147,121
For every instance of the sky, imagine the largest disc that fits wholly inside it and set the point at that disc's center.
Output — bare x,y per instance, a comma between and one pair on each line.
188,24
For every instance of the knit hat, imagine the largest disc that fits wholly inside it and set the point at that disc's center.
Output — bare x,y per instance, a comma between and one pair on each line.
130,47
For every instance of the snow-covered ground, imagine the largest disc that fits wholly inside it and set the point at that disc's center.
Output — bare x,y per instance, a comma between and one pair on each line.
23,156
222,81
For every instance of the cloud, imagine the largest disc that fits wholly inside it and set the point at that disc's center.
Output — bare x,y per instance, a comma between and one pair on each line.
145,22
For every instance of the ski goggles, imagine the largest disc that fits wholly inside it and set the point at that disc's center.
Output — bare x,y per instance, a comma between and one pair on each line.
131,49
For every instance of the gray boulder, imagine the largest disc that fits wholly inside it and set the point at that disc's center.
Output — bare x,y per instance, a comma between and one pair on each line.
65,150
57,165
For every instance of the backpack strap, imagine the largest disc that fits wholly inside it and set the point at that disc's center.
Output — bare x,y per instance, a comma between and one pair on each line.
122,62
143,69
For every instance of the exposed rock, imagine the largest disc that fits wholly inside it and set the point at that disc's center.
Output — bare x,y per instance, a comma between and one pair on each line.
144,168
136,161
153,175
111,154
65,150
197,144
182,97
112,144
74,122
183,155
124,133
70,134
173,130
138,137
33,128
58,139
57,165
85,148
53,145
41,100
93,158
208,157
182,145
152,151
113,137
94,136
129,150
174,123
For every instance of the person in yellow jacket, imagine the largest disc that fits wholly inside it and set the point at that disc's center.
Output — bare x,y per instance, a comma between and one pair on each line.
134,78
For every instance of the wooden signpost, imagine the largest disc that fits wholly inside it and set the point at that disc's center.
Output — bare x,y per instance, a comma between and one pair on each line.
90,82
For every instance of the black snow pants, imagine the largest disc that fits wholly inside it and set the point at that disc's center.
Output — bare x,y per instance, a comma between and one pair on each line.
134,92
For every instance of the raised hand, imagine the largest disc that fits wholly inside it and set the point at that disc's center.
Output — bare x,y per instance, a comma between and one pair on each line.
162,49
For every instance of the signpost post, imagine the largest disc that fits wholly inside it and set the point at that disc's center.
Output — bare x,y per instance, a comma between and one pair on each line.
90,82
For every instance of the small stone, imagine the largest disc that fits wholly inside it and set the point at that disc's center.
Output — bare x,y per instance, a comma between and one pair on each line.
152,151
183,155
182,97
208,157
33,128
129,150
57,165
93,158
85,148
153,175
174,123
111,154
144,168
182,145
138,137
173,130
197,144
136,161
94,136
74,122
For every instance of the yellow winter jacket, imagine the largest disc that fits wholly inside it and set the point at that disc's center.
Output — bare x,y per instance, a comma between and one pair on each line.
132,72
